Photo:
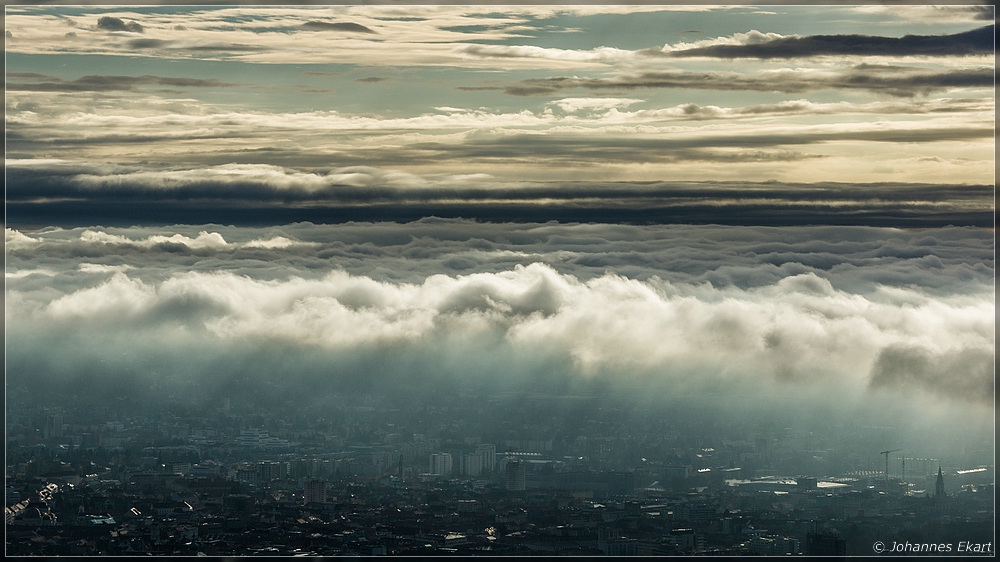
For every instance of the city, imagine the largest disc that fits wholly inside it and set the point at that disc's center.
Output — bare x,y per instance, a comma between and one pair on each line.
468,475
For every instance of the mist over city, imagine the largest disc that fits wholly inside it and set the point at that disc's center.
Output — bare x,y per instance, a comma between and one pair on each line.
483,280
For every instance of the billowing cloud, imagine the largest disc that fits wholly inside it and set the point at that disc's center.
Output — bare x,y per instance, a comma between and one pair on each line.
777,322
903,367
534,296
204,240
210,241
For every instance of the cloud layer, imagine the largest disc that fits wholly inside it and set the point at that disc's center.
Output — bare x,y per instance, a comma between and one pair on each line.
854,311
338,110
893,81
54,193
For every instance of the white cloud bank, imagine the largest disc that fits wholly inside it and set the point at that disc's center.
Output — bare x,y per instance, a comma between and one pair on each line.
800,331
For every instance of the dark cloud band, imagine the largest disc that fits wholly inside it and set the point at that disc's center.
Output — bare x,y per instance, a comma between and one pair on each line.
975,42
336,26
40,197
106,83
889,80
109,23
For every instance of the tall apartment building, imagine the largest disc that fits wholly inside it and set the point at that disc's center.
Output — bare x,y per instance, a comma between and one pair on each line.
269,471
514,476
489,454
441,464
314,491
471,464
53,426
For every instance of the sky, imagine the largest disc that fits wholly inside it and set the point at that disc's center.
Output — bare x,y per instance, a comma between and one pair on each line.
788,208
698,114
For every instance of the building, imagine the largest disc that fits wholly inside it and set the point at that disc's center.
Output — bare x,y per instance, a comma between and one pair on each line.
611,542
489,454
272,471
671,473
685,540
251,437
314,491
441,464
471,464
514,476
763,544
53,426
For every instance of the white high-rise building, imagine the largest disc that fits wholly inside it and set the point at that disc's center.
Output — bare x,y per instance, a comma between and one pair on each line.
472,464
441,464
489,454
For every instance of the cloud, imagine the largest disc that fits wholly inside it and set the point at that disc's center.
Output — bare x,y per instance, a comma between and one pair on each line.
600,54
773,46
205,240
795,331
14,240
931,14
752,37
447,35
819,317
110,23
695,112
889,80
313,25
63,192
194,46
277,243
148,43
103,268
902,368
982,13
572,105
653,148
107,83
857,260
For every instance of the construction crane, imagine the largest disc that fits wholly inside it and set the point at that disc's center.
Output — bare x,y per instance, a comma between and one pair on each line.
905,482
886,453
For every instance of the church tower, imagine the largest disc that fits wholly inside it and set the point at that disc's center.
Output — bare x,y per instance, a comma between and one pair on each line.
939,486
